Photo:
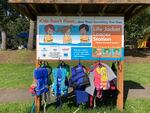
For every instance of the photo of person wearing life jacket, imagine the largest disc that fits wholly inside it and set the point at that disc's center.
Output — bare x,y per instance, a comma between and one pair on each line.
97,52
49,29
117,52
66,30
106,52
84,29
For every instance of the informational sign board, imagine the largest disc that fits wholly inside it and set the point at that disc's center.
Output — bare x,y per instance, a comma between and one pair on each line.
80,38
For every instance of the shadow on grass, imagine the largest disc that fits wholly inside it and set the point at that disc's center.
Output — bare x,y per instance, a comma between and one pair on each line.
129,84
108,100
136,52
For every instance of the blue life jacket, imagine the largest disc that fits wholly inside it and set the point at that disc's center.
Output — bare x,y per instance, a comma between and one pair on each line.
41,76
79,77
81,96
59,76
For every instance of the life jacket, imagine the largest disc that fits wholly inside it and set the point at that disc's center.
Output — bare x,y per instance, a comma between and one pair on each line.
59,76
42,80
65,66
97,80
79,77
101,78
104,78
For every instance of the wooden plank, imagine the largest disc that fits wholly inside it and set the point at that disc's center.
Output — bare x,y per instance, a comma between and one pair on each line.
101,13
58,12
23,11
122,8
120,85
84,1
136,9
128,8
135,12
37,104
80,13
76,14
32,6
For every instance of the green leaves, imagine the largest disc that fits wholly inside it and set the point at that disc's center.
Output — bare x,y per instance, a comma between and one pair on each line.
136,27
12,23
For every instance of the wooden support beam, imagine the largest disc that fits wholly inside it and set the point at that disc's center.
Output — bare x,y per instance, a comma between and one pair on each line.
33,7
58,12
101,13
136,12
136,9
83,1
122,9
84,14
37,104
80,13
128,8
120,85
23,11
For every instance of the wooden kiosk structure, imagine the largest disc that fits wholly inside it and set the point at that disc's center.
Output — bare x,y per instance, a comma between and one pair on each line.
126,8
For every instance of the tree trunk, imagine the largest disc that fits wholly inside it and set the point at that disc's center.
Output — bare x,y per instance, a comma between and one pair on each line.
4,40
31,35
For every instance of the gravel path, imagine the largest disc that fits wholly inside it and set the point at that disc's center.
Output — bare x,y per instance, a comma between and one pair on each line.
22,95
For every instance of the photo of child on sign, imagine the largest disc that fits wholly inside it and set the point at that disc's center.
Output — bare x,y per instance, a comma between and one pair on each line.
49,29
66,30
84,38
70,35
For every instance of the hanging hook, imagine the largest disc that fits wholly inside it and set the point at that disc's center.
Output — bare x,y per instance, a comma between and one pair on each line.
79,62
99,61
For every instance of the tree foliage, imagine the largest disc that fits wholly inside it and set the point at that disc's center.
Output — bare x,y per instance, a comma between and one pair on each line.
138,26
12,23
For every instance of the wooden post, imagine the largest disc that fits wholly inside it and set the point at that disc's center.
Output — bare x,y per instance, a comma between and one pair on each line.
37,98
120,85
37,104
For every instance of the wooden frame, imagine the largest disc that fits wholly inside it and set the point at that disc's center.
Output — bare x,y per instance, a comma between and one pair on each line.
83,1
31,8
28,8
120,87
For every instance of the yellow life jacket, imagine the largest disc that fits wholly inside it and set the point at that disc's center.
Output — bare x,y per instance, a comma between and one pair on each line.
84,38
48,38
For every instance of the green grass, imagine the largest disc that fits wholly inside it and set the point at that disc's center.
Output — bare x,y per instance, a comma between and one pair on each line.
15,75
138,72
132,106
20,75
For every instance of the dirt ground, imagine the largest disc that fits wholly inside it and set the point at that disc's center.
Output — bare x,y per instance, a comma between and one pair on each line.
137,56
17,56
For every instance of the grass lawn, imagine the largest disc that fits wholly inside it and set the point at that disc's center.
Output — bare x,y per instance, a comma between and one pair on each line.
138,72
20,75
132,106
15,75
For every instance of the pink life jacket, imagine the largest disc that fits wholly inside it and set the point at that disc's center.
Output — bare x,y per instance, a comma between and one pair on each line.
97,80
